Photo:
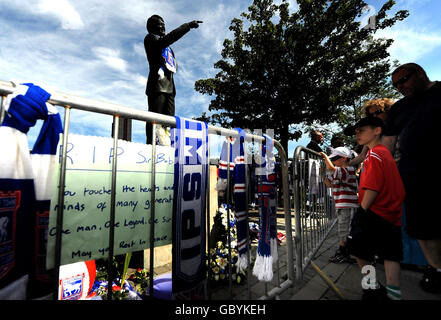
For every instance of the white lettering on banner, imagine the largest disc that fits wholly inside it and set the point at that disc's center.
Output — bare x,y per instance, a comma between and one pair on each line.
191,222
190,197
194,134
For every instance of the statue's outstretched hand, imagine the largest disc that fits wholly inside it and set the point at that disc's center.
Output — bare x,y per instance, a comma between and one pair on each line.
194,24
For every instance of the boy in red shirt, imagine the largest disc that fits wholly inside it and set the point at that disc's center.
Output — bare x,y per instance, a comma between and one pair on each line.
376,227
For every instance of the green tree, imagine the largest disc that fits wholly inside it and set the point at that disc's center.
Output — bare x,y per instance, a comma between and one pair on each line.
283,69
349,115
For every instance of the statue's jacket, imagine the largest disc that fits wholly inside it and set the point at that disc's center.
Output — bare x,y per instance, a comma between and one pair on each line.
154,45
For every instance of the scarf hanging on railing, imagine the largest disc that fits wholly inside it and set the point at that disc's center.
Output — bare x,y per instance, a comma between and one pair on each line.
190,141
237,174
266,192
25,184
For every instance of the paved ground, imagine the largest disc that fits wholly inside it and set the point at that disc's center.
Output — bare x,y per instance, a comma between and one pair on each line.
346,277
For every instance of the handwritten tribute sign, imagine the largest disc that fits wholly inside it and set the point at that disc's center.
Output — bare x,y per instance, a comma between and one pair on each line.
86,218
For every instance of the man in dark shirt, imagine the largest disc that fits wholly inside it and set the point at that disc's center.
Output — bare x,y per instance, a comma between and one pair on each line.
414,120
316,139
160,88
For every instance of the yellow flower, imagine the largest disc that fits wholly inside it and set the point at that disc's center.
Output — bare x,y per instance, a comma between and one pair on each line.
216,269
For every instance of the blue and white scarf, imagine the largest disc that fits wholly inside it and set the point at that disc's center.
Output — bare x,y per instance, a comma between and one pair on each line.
190,140
237,170
25,186
169,62
267,246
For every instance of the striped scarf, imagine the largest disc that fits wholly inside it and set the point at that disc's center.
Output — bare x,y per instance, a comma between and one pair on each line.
267,246
238,167
190,140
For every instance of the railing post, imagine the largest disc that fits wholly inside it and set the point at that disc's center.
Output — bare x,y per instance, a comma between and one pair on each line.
297,213
152,212
110,269
60,207
230,281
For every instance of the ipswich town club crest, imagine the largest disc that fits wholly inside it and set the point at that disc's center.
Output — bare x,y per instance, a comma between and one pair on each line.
9,204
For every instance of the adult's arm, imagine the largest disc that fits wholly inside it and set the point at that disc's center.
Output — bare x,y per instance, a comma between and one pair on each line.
389,142
329,165
359,159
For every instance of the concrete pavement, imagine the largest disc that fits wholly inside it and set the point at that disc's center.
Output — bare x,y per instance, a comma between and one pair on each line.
347,278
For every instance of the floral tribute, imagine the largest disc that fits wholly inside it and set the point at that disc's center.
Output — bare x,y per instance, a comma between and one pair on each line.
133,288
219,268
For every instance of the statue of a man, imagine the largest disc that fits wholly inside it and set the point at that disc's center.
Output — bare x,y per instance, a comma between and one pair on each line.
160,89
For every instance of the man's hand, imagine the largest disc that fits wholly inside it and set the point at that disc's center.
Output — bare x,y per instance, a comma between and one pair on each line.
194,24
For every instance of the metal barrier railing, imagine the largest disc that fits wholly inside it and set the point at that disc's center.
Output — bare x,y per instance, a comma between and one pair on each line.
69,102
313,204
272,289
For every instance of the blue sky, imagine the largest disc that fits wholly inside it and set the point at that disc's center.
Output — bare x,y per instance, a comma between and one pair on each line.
95,49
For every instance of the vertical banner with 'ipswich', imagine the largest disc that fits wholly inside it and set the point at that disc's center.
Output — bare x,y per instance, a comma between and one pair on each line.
190,140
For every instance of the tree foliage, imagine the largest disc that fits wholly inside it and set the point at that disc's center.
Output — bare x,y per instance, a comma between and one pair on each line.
282,69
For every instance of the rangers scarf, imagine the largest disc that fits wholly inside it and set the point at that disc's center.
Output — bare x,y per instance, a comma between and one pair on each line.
190,140
267,246
237,167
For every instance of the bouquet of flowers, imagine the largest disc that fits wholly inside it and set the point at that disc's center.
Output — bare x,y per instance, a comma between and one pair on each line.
118,293
140,279
121,289
220,267
218,255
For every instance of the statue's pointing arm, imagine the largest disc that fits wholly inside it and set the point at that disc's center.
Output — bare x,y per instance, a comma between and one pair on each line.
177,33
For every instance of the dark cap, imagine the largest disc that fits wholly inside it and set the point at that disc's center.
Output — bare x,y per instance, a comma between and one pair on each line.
368,121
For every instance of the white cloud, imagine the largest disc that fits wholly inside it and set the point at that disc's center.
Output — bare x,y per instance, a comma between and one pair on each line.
139,79
138,48
111,58
411,44
62,9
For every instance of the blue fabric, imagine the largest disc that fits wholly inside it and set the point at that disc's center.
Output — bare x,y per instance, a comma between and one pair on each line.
25,110
267,213
162,287
169,60
190,140
47,140
237,176
266,193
